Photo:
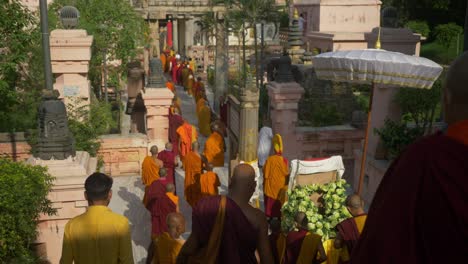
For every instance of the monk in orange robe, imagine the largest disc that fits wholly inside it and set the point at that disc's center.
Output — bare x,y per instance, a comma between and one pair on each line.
419,212
167,246
214,146
150,170
170,86
171,194
209,182
187,135
349,230
275,172
204,119
199,89
190,82
226,229
303,246
193,169
277,241
163,58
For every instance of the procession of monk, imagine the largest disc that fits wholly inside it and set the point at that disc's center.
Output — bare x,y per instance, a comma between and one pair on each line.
401,226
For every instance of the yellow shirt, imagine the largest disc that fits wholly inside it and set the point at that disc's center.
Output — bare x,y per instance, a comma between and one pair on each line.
97,236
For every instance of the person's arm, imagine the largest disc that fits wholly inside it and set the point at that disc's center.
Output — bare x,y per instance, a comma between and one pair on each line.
338,242
67,252
189,248
323,255
125,244
263,247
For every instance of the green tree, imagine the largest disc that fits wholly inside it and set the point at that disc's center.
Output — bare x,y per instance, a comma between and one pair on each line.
23,197
118,30
420,27
446,34
18,30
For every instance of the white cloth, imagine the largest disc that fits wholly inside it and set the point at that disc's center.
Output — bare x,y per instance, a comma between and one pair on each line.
265,137
334,163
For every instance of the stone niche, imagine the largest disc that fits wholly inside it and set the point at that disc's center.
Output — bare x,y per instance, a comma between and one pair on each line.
339,24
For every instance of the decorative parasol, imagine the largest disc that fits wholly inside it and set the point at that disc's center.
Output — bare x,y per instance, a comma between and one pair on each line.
376,66
169,33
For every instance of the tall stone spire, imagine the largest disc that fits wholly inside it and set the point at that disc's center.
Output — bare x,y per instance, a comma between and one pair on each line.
295,42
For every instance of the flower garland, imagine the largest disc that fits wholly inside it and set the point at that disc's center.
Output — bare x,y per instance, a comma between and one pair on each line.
323,216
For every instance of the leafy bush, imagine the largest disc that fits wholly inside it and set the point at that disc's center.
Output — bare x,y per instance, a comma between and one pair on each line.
23,197
322,219
396,136
446,34
88,123
326,115
418,26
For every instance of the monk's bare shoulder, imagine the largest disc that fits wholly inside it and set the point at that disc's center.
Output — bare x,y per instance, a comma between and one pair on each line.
256,217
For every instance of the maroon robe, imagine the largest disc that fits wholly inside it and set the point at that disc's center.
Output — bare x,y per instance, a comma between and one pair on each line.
293,245
420,211
175,121
239,240
159,205
349,233
168,158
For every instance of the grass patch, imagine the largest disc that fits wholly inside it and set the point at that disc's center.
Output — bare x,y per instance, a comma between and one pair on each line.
439,53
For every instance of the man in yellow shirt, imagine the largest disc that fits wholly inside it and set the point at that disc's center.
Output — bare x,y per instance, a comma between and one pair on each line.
98,235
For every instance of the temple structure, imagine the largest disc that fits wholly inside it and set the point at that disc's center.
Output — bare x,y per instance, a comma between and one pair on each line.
337,24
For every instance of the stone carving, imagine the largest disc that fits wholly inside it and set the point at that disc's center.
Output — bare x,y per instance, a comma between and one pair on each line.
197,38
69,17
156,78
284,74
295,40
55,140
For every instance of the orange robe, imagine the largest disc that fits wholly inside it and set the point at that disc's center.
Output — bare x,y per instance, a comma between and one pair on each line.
275,172
149,174
209,183
214,149
204,120
308,248
193,168
166,249
170,86
163,61
174,199
187,134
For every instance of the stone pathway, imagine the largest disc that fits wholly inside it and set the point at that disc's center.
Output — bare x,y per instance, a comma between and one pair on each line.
128,191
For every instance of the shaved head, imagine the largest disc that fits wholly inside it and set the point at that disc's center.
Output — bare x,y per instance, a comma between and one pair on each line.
301,219
170,187
354,201
209,166
168,146
162,172
175,220
243,174
456,90
154,150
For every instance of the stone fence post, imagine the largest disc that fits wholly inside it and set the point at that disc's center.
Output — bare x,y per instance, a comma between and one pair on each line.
284,99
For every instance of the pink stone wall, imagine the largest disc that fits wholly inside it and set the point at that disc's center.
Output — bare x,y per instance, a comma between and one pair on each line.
123,155
14,146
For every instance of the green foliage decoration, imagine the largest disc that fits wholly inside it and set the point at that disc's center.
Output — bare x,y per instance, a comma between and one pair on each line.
88,123
396,136
420,27
322,219
23,198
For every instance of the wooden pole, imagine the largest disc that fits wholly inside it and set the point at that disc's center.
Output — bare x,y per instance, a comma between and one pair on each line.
366,140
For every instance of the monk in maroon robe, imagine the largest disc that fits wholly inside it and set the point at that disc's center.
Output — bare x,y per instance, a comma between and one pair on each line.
175,121
420,211
303,246
159,205
168,158
227,229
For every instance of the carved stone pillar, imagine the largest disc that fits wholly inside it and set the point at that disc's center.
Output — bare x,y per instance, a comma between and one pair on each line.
248,123
157,102
70,52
